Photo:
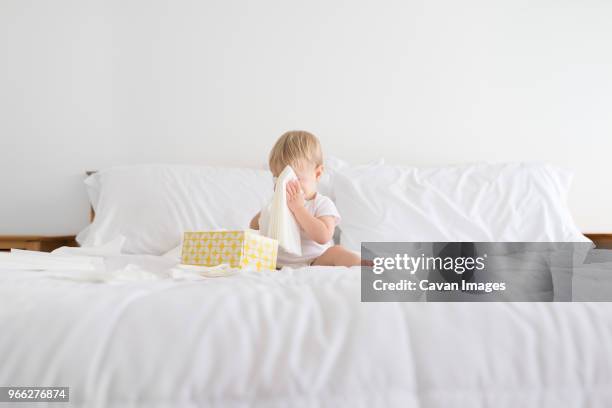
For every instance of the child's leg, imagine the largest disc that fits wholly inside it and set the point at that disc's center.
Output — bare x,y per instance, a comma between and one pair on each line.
337,255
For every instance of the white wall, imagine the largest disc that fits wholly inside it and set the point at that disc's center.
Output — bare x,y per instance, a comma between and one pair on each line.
90,84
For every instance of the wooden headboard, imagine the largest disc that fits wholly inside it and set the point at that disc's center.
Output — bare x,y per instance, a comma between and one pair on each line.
601,240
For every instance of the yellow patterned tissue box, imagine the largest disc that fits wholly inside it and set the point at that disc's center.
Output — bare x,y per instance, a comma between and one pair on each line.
240,249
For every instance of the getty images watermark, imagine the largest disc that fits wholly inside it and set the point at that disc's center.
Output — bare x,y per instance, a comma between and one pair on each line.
411,264
482,271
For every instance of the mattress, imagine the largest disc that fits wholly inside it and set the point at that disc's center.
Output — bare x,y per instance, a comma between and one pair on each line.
294,338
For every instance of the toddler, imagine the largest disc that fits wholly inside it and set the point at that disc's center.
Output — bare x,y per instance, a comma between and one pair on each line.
315,213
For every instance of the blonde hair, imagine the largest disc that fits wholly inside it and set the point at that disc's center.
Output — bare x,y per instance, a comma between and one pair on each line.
293,148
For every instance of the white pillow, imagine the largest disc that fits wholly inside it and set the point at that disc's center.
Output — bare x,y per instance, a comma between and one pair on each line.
482,202
332,165
152,205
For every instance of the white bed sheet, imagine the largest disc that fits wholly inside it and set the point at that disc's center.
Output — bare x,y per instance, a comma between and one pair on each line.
296,338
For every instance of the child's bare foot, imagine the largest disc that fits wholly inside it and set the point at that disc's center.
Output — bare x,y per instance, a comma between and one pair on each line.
337,255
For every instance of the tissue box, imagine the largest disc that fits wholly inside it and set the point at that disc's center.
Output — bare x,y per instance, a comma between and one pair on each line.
239,249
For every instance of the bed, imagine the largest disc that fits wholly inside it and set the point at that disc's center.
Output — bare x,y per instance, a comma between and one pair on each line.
300,338
142,333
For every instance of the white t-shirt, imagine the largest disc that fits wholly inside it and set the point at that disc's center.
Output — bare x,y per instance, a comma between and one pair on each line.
318,206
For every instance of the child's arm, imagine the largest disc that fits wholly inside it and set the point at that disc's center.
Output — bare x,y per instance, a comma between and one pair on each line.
319,229
255,221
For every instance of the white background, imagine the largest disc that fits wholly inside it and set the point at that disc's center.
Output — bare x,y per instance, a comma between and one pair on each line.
90,84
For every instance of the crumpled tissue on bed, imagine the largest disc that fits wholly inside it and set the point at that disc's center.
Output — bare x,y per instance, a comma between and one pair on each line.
35,260
109,266
192,272
276,220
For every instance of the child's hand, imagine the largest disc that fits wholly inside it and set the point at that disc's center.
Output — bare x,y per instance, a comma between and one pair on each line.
295,195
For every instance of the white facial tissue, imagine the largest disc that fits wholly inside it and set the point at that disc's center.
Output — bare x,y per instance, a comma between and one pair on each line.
276,220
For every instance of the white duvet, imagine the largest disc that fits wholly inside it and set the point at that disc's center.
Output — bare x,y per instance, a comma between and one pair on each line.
294,338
